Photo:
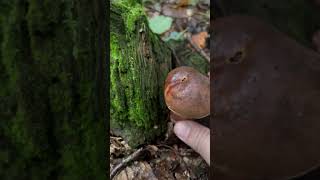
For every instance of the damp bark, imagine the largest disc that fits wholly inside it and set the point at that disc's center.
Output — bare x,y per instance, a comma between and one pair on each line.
52,95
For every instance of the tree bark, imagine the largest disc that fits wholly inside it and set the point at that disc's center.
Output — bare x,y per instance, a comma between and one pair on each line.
52,95
139,65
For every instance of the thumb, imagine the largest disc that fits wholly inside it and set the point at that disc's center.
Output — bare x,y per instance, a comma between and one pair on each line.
196,136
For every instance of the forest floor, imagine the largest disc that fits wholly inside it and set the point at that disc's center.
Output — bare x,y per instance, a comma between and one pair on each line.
185,22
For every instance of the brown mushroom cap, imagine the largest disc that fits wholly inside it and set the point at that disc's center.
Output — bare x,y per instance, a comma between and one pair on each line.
266,111
187,93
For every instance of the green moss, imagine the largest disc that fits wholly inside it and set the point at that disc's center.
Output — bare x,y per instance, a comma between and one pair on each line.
133,15
123,77
136,75
131,12
117,92
52,95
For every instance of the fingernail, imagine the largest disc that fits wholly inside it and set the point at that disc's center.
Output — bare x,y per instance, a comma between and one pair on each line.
182,130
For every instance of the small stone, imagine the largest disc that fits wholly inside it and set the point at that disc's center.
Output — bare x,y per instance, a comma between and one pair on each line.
189,12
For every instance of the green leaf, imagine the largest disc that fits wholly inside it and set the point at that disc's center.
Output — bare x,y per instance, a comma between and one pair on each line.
175,36
193,2
157,7
160,24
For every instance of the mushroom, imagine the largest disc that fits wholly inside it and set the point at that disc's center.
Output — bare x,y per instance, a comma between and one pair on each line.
266,106
187,93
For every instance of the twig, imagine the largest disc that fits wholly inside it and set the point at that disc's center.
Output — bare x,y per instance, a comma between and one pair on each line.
125,161
179,62
200,51
179,156
166,146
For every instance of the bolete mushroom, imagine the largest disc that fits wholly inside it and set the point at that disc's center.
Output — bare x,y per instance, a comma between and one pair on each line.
266,122
187,93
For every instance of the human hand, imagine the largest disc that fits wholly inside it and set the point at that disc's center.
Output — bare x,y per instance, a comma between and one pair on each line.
195,135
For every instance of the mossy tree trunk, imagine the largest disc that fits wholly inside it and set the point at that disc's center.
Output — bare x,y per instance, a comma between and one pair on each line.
52,92
139,65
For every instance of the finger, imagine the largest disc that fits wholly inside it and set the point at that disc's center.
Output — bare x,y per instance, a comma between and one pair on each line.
196,136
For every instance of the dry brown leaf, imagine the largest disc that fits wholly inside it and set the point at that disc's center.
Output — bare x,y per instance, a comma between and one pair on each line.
118,146
200,39
138,170
152,149
183,3
179,12
179,3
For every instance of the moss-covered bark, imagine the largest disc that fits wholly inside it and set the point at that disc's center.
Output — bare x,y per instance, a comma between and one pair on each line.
139,65
297,18
52,94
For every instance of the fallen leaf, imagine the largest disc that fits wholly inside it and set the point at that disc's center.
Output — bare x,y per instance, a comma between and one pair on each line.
138,170
181,3
157,7
160,24
175,36
193,2
180,12
200,39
